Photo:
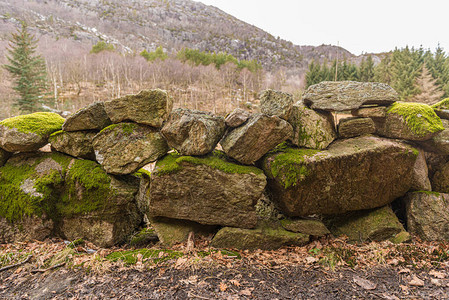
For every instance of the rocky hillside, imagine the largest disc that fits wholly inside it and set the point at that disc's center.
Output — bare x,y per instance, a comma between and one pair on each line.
134,25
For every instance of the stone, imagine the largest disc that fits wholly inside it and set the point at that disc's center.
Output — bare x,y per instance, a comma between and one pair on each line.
348,95
236,118
193,132
428,215
377,225
263,237
4,155
96,206
442,108
306,226
74,143
355,126
126,147
410,121
440,179
209,190
353,174
311,129
264,131
149,107
276,103
421,181
144,237
435,162
92,117
30,184
370,112
28,133
172,231
440,142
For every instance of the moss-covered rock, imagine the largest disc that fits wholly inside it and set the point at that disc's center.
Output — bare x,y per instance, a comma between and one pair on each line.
236,118
209,190
126,147
261,133
410,121
311,129
30,185
92,117
76,143
172,231
353,174
144,237
276,103
428,215
313,227
348,95
28,132
96,206
193,132
370,225
442,108
264,237
149,107
355,126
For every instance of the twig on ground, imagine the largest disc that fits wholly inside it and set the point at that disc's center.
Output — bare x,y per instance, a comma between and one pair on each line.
16,265
48,269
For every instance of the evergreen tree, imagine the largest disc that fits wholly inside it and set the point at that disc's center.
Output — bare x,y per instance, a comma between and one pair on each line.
28,70
438,65
366,70
431,93
313,76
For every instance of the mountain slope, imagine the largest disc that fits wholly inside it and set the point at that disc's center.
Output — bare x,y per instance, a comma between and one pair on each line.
134,25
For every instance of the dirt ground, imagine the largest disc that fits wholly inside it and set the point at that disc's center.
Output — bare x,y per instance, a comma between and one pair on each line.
323,270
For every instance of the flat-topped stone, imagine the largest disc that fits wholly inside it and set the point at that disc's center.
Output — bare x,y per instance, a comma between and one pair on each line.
355,126
370,112
348,95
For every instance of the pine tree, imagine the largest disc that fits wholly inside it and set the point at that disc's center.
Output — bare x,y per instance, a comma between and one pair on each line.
28,70
367,70
431,93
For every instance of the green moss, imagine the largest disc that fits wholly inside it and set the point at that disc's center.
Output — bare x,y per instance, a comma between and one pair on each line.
75,243
56,133
143,237
172,163
95,185
127,128
15,203
443,104
289,164
40,123
429,193
129,257
420,118
143,173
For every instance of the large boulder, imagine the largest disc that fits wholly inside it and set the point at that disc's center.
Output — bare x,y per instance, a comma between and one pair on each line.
236,117
264,237
261,133
311,129
428,215
96,206
30,185
353,174
74,143
355,126
410,121
28,132
193,132
92,117
126,147
368,225
149,107
348,95
208,190
276,103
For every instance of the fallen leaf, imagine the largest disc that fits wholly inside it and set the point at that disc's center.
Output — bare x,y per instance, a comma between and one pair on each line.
437,274
364,283
416,281
435,281
223,286
246,292
311,259
404,270
234,282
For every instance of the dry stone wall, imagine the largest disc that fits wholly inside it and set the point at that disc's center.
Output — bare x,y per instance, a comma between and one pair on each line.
282,176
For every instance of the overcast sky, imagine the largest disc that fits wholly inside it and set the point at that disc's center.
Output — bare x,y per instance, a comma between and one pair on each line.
357,25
